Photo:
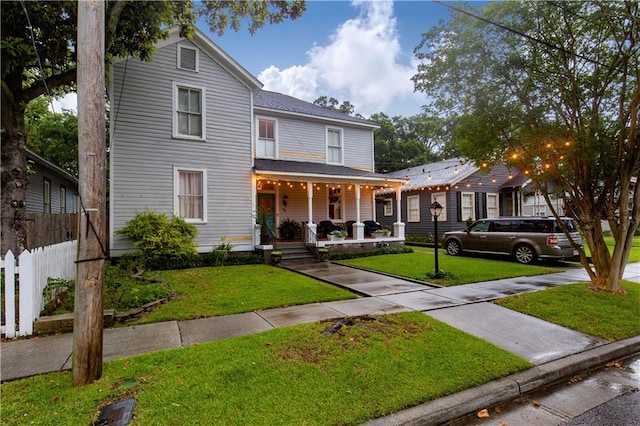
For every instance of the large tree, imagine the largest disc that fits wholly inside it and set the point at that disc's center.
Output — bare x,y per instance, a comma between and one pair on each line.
403,142
553,88
39,57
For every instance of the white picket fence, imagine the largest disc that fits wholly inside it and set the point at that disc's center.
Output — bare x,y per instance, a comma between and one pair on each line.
35,266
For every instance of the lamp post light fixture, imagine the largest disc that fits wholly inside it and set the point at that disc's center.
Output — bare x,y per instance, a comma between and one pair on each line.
435,210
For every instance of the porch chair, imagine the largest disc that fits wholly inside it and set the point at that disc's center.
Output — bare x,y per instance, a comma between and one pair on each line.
370,226
326,226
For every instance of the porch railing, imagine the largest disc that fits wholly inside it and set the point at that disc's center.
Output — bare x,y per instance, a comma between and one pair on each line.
311,237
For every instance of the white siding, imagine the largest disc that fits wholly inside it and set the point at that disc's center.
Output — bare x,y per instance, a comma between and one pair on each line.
306,140
144,154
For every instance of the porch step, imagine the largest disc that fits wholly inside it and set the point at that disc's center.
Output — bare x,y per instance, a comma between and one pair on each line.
294,250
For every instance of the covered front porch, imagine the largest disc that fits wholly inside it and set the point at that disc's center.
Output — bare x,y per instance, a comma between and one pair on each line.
333,205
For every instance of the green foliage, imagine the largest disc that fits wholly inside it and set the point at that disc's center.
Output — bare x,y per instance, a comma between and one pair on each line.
53,136
122,290
59,295
422,239
162,243
367,253
406,142
289,229
561,106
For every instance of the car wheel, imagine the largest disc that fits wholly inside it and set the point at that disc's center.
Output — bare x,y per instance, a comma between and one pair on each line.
453,247
524,254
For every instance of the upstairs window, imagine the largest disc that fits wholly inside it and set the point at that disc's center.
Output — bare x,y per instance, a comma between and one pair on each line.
187,58
189,112
190,201
334,146
266,143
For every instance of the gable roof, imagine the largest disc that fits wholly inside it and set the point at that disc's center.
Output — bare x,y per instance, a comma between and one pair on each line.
52,168
442,173
272,101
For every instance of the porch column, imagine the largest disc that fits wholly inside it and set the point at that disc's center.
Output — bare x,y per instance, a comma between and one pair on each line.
310,232
358,227
398,226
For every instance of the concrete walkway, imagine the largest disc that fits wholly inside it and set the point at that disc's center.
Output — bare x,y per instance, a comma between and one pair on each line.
465,307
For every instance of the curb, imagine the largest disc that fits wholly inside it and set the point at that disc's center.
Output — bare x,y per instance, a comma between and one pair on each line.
508,388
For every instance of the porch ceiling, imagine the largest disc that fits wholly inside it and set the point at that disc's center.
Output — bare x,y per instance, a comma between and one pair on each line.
318,172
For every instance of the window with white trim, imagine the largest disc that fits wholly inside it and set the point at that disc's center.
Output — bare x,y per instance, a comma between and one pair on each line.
334,146
188,112
46,196
441,198
413,208
388,206
266,145
63,199
492,206
188,58
467,205
190,202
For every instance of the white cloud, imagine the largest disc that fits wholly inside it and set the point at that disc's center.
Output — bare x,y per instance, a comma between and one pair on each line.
360,64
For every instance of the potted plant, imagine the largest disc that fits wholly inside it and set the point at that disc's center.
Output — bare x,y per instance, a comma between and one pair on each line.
289,229
276,257
337,235
381,233
322,255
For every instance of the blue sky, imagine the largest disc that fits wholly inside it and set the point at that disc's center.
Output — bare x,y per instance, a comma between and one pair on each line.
360,51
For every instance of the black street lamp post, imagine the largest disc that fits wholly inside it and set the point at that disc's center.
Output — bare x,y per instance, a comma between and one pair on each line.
435,210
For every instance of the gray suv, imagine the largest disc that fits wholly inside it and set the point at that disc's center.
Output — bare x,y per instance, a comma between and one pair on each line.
525,238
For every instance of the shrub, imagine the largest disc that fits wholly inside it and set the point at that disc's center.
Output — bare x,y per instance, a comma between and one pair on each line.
162,243
365,253
289,229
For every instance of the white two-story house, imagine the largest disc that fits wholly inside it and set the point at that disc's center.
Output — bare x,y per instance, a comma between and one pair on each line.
194,135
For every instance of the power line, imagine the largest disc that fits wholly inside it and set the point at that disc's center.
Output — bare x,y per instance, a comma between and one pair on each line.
520,33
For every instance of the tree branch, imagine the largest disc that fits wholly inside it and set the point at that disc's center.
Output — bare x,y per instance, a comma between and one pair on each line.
65,79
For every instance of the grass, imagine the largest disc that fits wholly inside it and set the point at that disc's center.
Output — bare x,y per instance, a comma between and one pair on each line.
464,269
609,316
293,375
208,292
634,256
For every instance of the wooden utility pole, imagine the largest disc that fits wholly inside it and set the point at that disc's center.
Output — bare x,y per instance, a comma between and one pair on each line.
88,318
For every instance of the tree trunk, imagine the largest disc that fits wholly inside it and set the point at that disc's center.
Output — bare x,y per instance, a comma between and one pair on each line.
607,269
13,175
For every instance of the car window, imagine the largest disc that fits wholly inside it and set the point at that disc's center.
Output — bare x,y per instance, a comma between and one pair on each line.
504,226
544,226
482,226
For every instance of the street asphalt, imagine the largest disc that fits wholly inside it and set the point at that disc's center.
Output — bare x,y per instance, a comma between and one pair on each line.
557,353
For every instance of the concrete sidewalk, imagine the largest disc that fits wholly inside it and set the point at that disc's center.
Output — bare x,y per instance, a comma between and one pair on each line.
557,352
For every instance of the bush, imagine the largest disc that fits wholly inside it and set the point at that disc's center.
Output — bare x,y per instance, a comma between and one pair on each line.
162,243
365,253
289,229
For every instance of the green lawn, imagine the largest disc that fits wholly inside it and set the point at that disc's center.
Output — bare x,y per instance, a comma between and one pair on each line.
465,270
287,376
207,292
634,256
609,316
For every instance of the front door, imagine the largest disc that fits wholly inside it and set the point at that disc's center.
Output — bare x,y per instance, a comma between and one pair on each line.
267,203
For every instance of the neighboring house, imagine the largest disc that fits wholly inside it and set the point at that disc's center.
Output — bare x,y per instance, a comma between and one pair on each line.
50,189
466,192
52,201
193,134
